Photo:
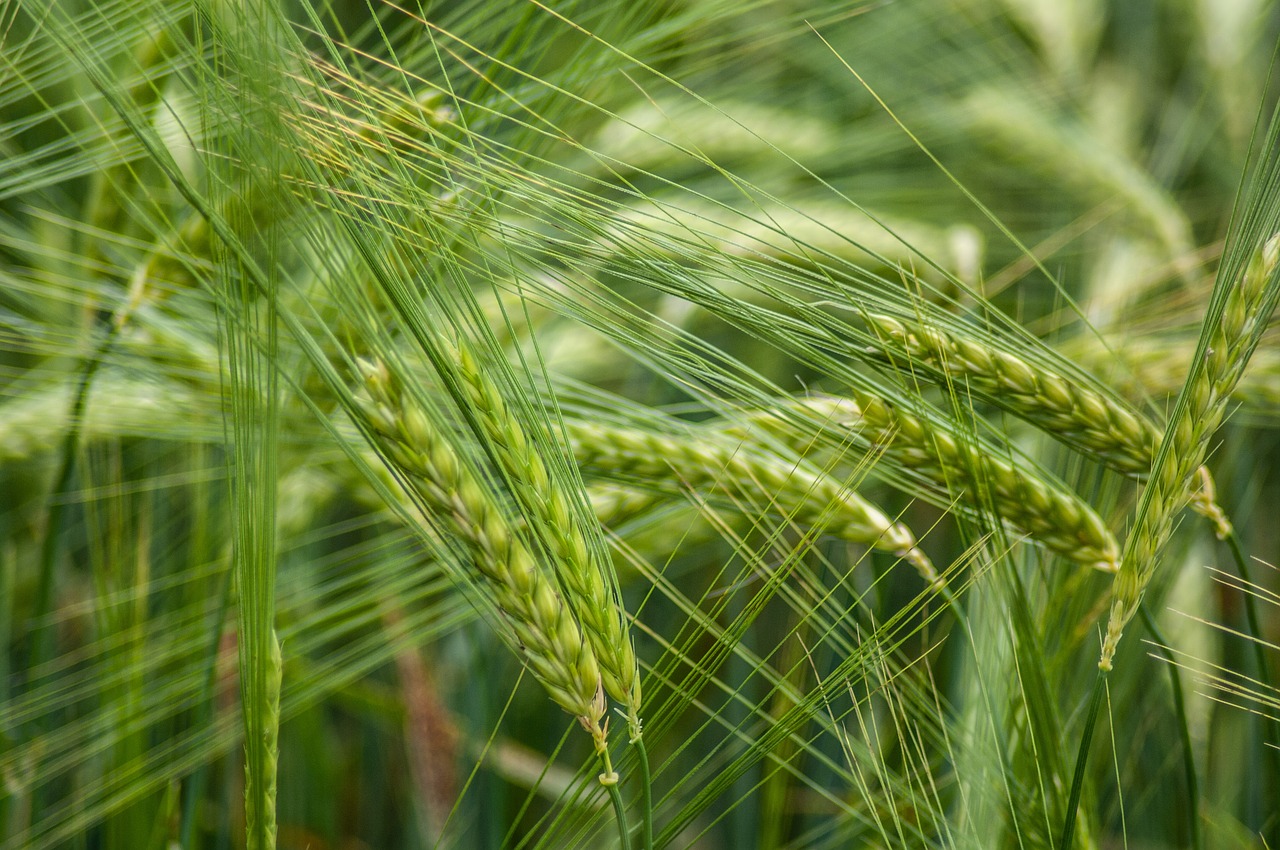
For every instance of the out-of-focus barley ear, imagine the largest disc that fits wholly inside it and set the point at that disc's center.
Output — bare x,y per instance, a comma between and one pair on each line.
1085,418
614,504
1158,366
711,460
1080,163
654,134
584,577
541,624
34,420
803,234
1229,342
1026,499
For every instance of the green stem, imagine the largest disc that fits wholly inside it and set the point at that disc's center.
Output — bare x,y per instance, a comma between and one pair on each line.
42,642
646,794
1184,732
1082,760
42,646
609,780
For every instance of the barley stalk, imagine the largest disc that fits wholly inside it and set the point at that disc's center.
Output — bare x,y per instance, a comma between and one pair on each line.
712,461
543,626
1070,411
262,824
1035,504
1204,402
550,514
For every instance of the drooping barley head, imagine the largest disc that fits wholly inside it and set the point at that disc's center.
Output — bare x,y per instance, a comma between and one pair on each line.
1228,342
1027,500
712,461
542,625
1071,411
551,516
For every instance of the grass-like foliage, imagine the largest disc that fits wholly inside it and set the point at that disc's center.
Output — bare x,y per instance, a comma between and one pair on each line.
858,417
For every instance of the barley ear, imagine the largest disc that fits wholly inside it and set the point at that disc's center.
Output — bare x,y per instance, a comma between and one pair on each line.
614,504
712,461
1084,418
541,624
1026,499
584,577
1227,341
1066,409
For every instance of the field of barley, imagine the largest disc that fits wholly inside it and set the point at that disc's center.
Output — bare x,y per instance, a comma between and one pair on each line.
768,425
